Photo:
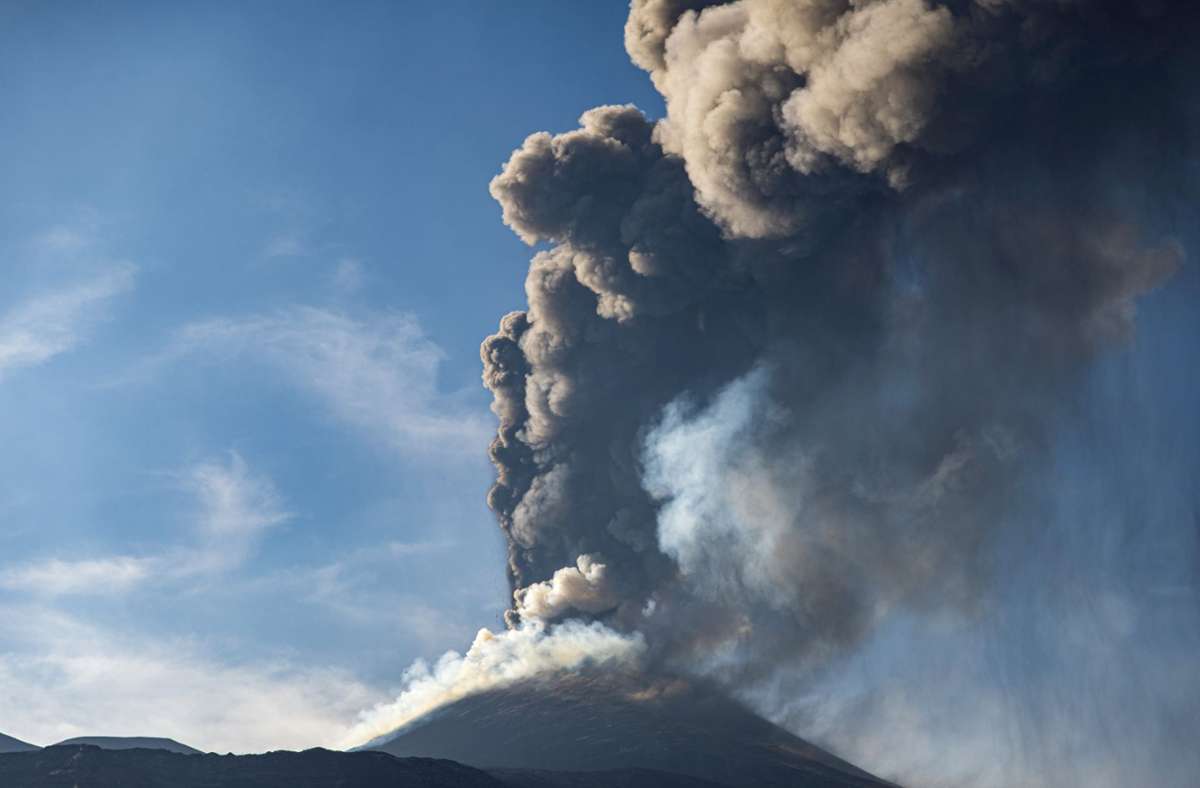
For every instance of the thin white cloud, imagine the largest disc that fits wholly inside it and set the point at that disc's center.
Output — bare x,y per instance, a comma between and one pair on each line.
349,275
234,508
359,587
105,682
234,501
62,238
348,591
378,375
285,245
55,577
53,323
406,549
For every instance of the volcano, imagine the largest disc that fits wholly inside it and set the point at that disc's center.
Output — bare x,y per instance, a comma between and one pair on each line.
606,723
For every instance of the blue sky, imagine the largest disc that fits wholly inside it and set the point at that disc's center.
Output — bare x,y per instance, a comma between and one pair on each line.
249,255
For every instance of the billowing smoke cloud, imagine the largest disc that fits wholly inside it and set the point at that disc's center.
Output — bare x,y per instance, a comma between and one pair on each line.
498,660
797,356
583,588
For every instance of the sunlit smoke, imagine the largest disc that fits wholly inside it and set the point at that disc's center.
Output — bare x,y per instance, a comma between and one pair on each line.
792,401
493,661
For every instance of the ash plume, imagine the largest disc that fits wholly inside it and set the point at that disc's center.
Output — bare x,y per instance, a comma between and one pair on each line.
798,357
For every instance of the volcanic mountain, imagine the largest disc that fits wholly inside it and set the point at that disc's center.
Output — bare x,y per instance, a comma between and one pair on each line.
130,743
9,744
595,723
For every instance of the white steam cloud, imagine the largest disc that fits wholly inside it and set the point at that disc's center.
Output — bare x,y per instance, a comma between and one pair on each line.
493,661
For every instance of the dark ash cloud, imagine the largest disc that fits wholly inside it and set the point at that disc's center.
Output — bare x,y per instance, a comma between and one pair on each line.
794,355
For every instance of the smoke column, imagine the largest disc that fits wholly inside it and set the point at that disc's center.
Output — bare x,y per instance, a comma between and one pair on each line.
824,386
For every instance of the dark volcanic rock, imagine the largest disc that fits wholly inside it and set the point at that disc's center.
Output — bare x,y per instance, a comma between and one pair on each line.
131,743
85,766
618,723
9,744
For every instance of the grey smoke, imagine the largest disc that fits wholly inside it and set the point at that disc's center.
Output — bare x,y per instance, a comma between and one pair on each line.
797,356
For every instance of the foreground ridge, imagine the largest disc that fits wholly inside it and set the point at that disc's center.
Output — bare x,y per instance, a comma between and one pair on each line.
88,766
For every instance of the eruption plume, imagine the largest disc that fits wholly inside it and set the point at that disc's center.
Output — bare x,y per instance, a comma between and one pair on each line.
799,360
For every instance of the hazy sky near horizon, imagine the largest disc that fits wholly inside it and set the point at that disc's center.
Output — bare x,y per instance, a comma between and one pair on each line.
249,256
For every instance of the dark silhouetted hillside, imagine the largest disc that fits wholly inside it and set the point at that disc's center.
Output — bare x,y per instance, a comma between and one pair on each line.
9,744
86,766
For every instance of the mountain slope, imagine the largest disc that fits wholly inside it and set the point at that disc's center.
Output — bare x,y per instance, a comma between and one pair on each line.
613,722
131,743
9,744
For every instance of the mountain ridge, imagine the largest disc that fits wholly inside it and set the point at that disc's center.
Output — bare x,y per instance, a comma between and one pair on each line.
10,744
88,766
130,743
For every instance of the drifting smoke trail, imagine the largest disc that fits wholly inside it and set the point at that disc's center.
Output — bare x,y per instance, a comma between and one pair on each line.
494,661
789,394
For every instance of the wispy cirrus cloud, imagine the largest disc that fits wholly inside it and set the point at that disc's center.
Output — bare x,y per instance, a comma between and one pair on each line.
64,238
57,577
234,507
286,245
349,275
378,374
55,321
359,584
